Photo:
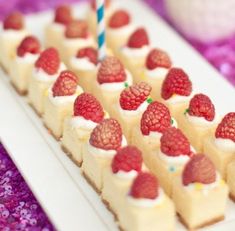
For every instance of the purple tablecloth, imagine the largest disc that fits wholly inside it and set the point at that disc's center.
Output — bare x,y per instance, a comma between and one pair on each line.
19,209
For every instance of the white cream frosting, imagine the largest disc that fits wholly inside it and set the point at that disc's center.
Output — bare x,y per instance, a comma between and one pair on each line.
157,73
205,188
126,175
78,42
82,64
121,31
117,86
200,121
13,34
62,100
104,153
145,202
27,58
81,122
57,27
135,52
40,75
225,144
139,110
179,98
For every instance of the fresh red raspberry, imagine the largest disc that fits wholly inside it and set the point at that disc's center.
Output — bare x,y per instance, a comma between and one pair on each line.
199,169
76,29
29,44
90,53
138,39
66,84
156,118
93,4
119,19
111,70
201,106
49,61
226,128
174,142
132,97
14,21
107,135
63,14
145,186
157,58
176,82
87,106
127,159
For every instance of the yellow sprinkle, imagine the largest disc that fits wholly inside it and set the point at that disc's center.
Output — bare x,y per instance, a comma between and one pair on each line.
198,186
142,75
222,182
46,92
106,114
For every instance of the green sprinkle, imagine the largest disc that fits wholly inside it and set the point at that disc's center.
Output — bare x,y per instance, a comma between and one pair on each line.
172,121
172,169
149,100
186,111
126,84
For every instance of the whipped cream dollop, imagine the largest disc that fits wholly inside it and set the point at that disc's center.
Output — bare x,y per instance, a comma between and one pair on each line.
121,31
40,75
226,145
81,122
157,73
104,153
117,86
79,42
200,121
83,63
205,188
139,110
145,202
126,175
27,58
179,98
63,100
135,52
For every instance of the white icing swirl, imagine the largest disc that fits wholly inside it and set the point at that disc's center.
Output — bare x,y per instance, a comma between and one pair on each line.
126,175
63,100
79,42
179,98
225,144
200,121
121,31
135,52
157,73
82,64
104,153
117,86
81,122
40,75
145,202
27,58
139,110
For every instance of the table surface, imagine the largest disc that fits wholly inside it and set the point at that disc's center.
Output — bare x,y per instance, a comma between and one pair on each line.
19,210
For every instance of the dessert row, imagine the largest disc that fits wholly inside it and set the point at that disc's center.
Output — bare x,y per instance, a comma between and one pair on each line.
118,119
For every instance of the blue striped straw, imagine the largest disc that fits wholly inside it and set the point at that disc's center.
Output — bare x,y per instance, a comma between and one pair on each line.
101,29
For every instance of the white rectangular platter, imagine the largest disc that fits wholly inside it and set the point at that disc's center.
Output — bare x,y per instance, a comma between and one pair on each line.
55,180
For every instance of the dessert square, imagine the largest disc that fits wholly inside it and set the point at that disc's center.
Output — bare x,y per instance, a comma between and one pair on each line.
231,179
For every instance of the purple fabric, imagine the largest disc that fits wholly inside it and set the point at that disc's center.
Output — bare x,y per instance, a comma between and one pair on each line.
19,209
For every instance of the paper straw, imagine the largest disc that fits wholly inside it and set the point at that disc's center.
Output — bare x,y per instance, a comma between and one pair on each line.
101,29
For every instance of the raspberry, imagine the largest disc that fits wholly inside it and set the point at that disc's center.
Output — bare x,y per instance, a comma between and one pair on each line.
157,58
132,97
138,39
29,44
201,106
63,14
111,70
90,53
13,21
127,159
176,82
93,4
199,169
145,185
87,106
119,19
226,128
76,29
49,61
107,135
66,84
156,118
174,142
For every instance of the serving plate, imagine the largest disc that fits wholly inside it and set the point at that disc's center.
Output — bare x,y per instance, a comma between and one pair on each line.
55,180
